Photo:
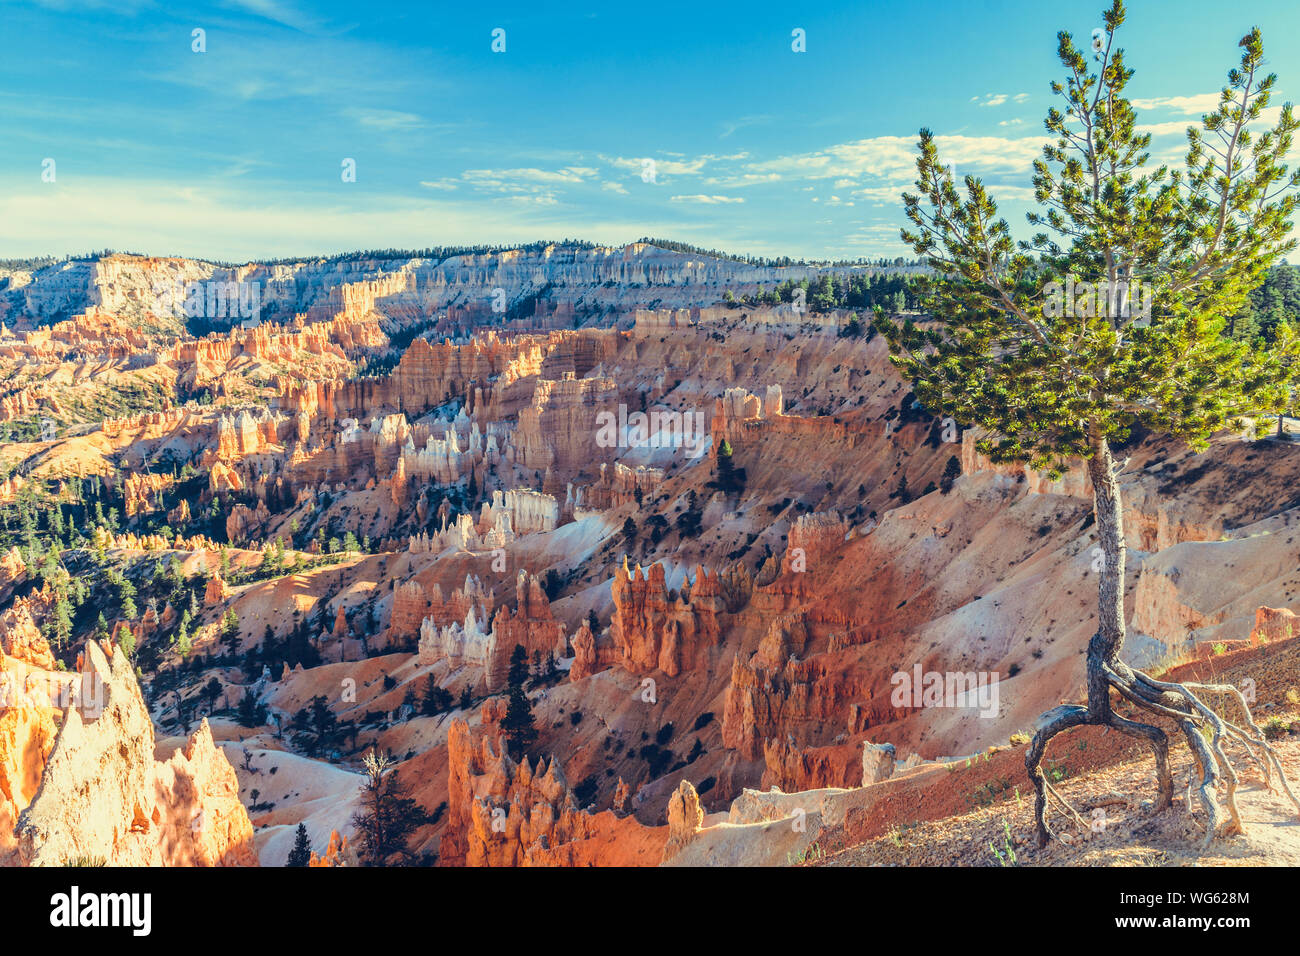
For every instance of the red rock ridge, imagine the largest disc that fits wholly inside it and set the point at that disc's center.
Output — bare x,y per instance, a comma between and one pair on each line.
505,814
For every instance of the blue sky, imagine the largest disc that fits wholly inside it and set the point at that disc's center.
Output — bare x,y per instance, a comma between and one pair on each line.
236,153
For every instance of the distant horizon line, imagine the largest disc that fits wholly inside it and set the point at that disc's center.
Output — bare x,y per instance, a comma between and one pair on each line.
443,253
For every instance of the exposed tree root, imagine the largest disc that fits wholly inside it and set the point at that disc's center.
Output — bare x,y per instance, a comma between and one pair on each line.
1182,705
1205,731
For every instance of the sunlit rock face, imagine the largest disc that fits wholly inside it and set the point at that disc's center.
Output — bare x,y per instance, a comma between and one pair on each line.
103,797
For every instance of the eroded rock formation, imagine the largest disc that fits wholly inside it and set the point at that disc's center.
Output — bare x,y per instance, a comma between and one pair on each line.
503,813
103,797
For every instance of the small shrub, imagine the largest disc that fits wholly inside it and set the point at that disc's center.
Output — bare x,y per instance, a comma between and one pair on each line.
1275,728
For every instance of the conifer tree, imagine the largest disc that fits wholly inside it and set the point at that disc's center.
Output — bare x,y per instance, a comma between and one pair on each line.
230,630
250,713
436,699
729,478
387,816
951,472
517,725
1039,342
62,618
300,855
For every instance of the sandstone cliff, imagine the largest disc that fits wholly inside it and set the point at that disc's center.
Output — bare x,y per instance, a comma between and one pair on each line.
103,797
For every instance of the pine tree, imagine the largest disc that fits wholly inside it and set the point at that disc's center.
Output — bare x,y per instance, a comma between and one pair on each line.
230,630
62,619
517,725
901,491
387,816
126,594
689,521
250,713
436,699
517,676
729,478
951,472
300,855
211,692
1051,382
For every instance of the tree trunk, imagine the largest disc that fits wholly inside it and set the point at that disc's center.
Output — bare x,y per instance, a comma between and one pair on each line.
1110,531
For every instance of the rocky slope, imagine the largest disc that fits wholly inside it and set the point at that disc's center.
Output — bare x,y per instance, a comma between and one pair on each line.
81,784
720,535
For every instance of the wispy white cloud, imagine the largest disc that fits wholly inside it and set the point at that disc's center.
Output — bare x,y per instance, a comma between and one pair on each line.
742,179
999,99
525,184
708,200
386,120
891,156
541,197
887,193
256,68
505,178
1002,193
890,194
1267,117
680,166
282,12
731,126
1199,103
661,166
1163,129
